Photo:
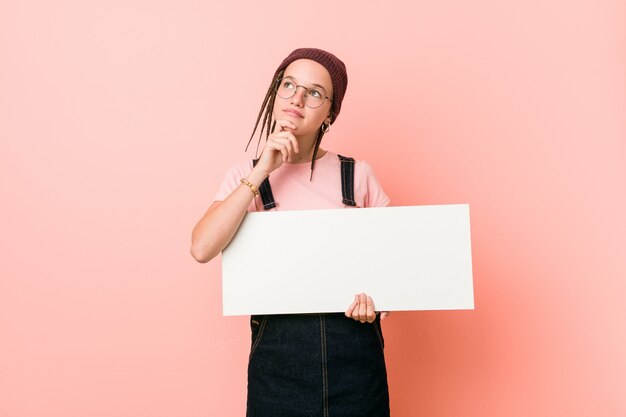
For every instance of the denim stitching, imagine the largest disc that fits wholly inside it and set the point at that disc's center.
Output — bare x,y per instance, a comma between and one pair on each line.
324,364
350,181
347,180
258,338
343,176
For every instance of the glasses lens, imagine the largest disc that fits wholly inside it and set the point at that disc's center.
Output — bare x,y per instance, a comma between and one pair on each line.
314,98
286,89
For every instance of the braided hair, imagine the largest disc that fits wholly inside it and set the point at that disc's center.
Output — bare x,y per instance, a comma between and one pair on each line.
266,113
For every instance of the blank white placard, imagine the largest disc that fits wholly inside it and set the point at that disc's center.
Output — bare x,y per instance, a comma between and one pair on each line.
311,261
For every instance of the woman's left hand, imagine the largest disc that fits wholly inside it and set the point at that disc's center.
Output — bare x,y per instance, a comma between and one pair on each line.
362,309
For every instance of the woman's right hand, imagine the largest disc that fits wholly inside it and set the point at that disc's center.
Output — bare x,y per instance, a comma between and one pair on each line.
221,221
280,146
362,309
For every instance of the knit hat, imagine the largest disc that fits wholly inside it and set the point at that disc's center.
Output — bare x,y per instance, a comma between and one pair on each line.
335,67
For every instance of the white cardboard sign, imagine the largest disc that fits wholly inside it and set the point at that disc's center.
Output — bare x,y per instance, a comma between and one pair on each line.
313,261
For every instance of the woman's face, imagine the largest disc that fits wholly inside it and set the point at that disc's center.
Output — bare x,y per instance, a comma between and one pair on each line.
312,76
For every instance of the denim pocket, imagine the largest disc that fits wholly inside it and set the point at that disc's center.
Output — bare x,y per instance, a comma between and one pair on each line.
257,325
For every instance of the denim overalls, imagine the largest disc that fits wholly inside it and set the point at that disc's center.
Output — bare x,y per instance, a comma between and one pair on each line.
316,365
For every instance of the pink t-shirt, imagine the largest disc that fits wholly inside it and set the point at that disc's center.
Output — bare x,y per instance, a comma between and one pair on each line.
292,189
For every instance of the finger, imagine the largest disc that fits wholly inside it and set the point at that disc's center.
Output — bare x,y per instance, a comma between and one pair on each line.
286,140
279,145
289,143
355,312
371,313
294,141
362,308
284,125
350,308
283,151
290,139
383,315
274,142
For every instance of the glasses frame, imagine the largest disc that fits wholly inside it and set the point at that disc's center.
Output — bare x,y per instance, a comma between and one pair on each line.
306,95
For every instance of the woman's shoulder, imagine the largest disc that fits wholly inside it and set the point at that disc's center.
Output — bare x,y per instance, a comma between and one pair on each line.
334,156
367,185
232,178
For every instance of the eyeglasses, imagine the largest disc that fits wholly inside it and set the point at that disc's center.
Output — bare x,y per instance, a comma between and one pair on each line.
313,98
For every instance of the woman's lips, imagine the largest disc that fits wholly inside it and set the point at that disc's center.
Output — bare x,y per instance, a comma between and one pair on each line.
293,112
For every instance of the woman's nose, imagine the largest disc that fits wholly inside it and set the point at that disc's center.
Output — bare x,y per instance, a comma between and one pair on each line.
299,97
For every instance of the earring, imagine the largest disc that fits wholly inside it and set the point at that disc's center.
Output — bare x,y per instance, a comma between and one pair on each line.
325,127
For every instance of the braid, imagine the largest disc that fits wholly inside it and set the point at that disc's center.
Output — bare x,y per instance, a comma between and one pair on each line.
267,96
265,112
318,140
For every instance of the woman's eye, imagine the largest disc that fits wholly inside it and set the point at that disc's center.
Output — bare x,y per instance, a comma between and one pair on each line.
315,93
288,85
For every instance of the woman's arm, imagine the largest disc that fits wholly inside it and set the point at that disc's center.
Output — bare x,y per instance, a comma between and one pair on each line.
221,221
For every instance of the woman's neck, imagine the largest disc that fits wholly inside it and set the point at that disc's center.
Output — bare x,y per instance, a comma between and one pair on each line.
306,155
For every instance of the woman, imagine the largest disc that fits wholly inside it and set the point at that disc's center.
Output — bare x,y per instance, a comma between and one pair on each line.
304,364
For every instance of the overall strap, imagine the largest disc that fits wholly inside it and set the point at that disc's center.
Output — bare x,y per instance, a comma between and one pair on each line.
266,191
347,180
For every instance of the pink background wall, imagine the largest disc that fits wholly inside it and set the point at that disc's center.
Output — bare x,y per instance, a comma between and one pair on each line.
119,118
